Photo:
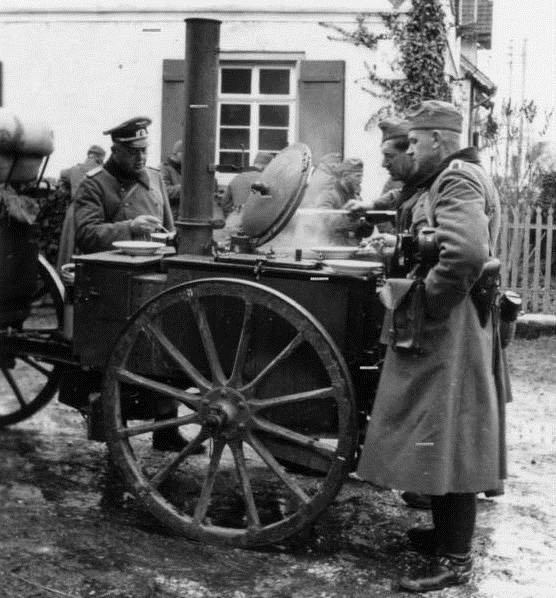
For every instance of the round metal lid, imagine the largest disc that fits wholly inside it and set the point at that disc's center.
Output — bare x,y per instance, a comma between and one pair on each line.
284,180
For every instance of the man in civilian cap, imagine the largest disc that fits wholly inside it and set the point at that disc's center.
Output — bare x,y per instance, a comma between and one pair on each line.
125,200
438,418
171,175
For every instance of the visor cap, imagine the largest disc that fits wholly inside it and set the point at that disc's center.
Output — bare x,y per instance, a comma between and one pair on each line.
132,132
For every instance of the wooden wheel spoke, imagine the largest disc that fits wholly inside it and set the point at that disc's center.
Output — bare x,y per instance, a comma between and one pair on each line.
208,483
173,464
35,365
284,354
176,355
14,386
208,342
245,483
171,392
298,397
280,472
128,432
243,345
294,437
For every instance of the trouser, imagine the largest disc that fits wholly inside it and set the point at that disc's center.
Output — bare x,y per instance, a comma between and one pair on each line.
454,518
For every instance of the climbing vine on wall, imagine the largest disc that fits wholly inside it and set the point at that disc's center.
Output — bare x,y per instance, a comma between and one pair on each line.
421,40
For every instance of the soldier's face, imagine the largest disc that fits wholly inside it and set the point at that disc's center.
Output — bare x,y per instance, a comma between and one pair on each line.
424,150
132,159
396,161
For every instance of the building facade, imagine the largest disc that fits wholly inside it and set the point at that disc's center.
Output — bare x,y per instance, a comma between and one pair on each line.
83,67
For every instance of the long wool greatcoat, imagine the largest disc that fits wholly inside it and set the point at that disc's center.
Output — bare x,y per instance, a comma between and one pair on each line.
437,422
105,205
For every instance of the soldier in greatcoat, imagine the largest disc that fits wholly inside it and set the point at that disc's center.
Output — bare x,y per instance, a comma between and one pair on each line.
437,425
125,200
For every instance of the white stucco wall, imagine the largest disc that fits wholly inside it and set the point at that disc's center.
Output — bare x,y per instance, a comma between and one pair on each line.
82,71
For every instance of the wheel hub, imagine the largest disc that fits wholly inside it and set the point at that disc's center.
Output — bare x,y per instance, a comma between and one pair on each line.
224,411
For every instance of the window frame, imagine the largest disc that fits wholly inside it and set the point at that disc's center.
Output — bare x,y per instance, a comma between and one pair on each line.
256,99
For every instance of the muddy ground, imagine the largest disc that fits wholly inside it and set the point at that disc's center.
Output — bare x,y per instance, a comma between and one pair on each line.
69,528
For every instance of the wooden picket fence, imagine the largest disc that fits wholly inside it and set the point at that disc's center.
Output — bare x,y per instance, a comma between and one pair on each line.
527,255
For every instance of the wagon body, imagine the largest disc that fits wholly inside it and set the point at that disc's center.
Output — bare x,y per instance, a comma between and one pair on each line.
271,364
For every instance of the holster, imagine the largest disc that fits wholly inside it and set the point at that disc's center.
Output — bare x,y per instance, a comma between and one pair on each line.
484,292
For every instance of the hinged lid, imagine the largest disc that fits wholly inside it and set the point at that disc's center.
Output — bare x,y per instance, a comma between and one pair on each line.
266,212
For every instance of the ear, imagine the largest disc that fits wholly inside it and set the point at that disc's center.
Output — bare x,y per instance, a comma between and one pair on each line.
435,134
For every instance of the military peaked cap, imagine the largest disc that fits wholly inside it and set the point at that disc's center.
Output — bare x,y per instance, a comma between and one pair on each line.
393,128
132,132
434,114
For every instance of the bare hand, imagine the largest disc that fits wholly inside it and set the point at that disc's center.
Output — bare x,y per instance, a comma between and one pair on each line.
145,224
357,205
382,243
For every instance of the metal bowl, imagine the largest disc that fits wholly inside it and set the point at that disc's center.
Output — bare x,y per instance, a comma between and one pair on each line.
138,247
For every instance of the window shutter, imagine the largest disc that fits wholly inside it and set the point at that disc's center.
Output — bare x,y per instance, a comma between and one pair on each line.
321,106
173,98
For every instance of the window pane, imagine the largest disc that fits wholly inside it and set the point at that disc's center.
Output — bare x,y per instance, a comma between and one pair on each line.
231,159
235,114
236,81
275,81
234,138
274,116
273,139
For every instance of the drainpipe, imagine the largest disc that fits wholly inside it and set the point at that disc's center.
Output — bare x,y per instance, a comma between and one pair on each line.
195,220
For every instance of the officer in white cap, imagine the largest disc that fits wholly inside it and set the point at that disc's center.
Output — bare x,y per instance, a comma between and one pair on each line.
123,199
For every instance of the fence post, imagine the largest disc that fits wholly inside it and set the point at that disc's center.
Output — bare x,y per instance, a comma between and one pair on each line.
525,268
514,249
546,304
504,247
537,267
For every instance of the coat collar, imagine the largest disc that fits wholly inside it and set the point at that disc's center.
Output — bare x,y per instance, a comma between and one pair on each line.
125,178
468,154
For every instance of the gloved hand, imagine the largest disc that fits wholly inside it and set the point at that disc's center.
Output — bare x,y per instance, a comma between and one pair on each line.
144,224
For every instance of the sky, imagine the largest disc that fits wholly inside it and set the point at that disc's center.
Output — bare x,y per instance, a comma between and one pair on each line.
513,22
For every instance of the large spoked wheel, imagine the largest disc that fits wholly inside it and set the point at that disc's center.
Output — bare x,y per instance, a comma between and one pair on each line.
260,384
26,382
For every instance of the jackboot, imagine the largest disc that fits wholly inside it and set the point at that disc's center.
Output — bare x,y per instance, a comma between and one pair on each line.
445,571
424,539
170,439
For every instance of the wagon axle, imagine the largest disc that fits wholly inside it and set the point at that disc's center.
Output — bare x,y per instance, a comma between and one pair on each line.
224,411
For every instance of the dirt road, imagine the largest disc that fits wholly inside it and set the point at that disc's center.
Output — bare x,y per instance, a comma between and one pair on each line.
69,528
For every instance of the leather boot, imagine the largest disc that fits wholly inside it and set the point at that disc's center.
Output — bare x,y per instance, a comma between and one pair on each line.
445,571
171,440
424,539
416,500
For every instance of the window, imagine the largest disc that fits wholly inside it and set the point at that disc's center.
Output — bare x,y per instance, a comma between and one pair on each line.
256,111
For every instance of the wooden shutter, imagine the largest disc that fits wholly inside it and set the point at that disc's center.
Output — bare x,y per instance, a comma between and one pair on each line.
173,98
321,106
